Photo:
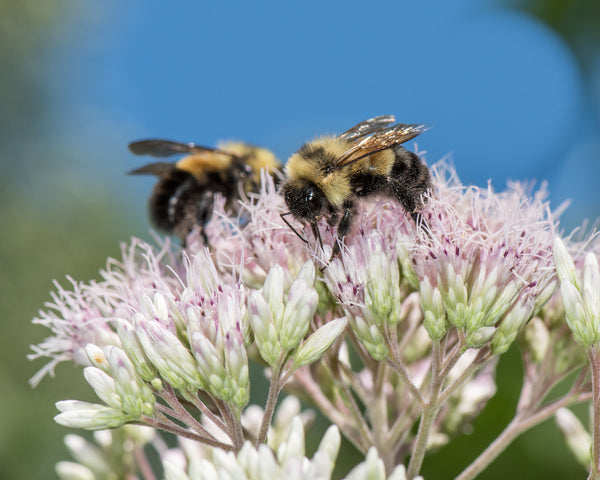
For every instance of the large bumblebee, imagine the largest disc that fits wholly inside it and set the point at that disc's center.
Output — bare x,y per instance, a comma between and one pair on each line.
326,177
185,192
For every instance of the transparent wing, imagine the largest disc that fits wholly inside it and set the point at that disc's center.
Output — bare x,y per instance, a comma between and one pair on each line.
166,148
367,128
380,139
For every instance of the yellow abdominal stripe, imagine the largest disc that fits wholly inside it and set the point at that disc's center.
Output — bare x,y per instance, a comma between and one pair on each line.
200,163
257,157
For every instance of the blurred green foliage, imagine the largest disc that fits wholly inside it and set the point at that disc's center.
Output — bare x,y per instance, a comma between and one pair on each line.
52,225
576,21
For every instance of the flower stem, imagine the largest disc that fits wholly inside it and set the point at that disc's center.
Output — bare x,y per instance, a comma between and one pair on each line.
143,463
396,363
594,357
361,442
428,415
274,389
521,423
183,432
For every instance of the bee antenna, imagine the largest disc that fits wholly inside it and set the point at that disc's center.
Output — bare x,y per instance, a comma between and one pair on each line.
283,215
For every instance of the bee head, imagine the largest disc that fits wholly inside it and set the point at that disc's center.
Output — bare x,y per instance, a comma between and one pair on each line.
305,200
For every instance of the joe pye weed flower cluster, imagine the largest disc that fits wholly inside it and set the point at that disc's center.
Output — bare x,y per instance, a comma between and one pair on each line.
395,341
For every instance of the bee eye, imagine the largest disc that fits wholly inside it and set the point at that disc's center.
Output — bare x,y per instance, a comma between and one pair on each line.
312,201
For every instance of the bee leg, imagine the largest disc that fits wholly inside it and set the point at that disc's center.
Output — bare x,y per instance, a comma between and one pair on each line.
349,211
205,207
316,233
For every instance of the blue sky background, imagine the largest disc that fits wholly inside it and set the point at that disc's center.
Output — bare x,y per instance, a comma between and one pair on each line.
502,92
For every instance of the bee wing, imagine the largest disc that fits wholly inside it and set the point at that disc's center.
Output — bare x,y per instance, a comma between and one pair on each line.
367,127
379,140
165,148
158,168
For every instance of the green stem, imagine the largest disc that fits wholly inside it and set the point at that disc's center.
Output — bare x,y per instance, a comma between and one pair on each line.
183,432
378,413
428,416
483,356
594,357
521,423
143,463
327,408
180,411
274,389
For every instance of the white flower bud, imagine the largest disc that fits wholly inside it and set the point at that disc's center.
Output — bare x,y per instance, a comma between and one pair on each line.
134,351
88,454
104,386
89,416
263,327
314,346
174,472
576,436
96,356
73,471
371,338
168,355
565,267
479,338
300,309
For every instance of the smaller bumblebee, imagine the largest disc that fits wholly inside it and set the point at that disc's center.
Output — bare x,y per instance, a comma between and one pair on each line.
184,195
326,177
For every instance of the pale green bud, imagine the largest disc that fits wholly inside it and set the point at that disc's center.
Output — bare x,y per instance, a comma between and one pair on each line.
537,339
576,436
307,273
434,317
134,351
294,444
104,386
273,290
330,443
174,472
565,267
382,288
591,289
584,332
503,302
209,360
435,326
89,416
371,338
266,336
372,468
479,338
406,267
314,346
136,397
169,356
88,454
511,324
97,357
299,311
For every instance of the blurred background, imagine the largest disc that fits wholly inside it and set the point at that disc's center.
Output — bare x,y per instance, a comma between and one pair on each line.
511,89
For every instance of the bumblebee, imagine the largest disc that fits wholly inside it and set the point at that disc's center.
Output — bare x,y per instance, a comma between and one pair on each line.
185,192
326,177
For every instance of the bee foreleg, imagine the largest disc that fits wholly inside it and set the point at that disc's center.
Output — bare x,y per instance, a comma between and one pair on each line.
348,213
